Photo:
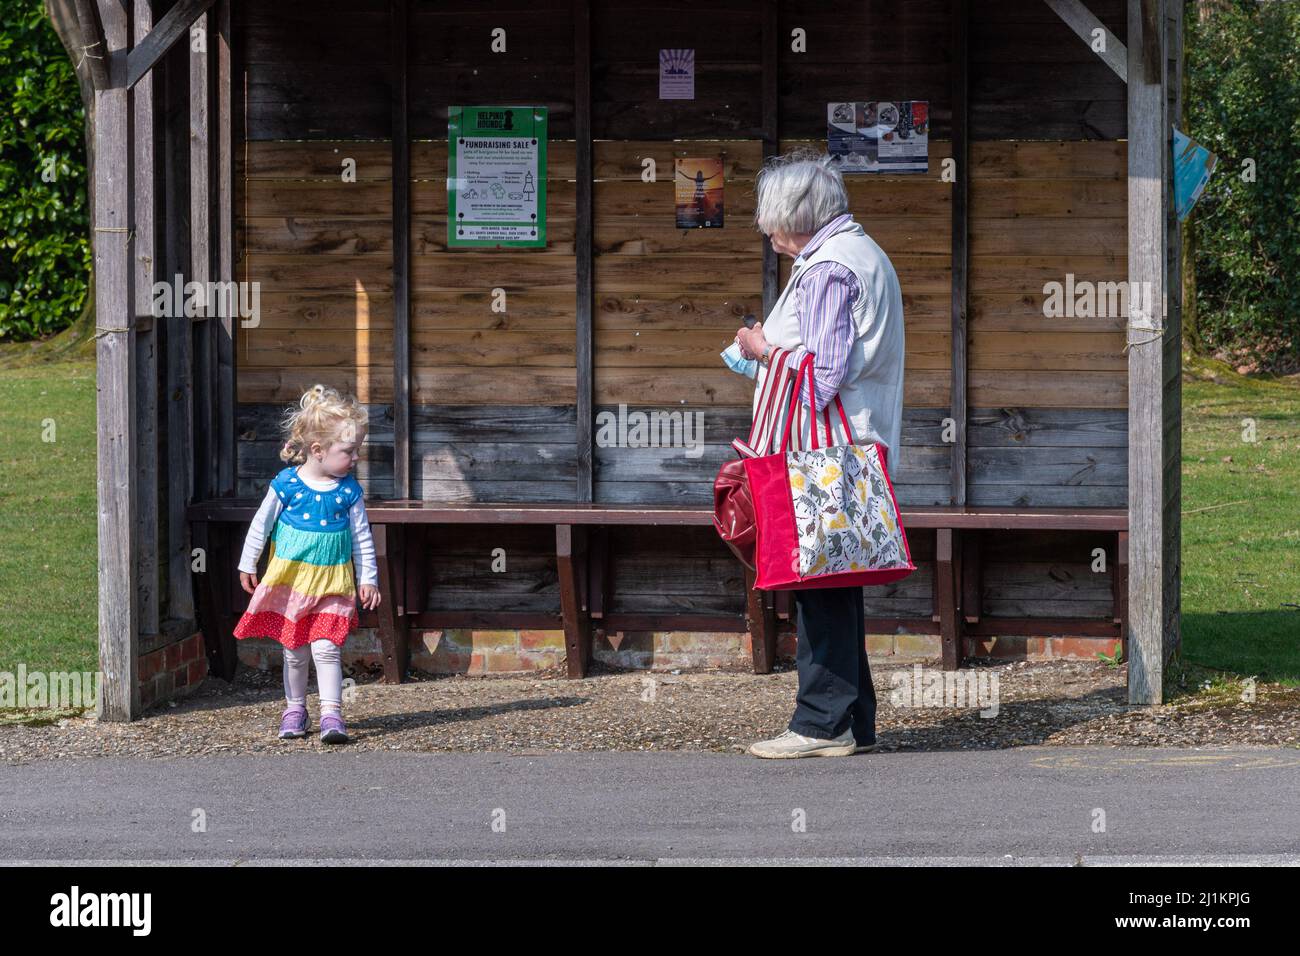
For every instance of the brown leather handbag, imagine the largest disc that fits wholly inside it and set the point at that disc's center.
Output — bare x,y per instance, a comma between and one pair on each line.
733,506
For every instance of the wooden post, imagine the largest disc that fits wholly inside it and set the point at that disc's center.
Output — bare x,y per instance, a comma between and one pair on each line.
1173,347
147,342
1119,588
401,172
760,607
115,378
582,245
760,617
204,435
771,135
1148,163
391,614
223,325
960,244
570,551
178,335
948,597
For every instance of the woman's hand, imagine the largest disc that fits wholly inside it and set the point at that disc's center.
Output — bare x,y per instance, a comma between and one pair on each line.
752,343
369,595
248,581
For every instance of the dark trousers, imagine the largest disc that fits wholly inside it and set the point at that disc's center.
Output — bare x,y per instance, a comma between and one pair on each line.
835,689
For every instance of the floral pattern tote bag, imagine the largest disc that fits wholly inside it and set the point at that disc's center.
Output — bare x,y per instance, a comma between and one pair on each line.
826,516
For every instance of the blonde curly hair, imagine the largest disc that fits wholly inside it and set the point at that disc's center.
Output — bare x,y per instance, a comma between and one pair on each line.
324,415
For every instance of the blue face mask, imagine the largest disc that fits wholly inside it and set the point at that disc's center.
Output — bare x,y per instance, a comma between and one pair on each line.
738,363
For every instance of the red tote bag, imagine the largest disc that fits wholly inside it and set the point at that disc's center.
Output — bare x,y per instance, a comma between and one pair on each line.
825,517
733,505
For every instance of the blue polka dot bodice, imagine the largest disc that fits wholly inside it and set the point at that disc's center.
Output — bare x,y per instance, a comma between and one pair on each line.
307,509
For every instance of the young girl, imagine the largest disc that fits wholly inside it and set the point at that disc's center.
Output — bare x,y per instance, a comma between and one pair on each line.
315,518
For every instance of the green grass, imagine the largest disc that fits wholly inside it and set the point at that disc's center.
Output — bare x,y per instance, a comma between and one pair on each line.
48,559
1241,524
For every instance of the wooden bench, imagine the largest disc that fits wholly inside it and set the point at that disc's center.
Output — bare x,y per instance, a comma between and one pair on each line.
582,560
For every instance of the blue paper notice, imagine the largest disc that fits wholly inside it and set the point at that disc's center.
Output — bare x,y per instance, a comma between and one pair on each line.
1193,165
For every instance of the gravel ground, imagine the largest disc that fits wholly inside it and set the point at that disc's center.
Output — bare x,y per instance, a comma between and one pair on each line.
1049,702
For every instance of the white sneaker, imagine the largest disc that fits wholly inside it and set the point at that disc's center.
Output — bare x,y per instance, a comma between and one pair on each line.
790,744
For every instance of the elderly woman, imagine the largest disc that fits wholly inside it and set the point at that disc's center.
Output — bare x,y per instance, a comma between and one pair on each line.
844,305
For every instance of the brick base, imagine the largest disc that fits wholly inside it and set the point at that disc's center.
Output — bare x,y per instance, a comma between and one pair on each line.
172,671
479,652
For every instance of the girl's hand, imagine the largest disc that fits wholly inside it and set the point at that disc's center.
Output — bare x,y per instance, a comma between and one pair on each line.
369,595
248,581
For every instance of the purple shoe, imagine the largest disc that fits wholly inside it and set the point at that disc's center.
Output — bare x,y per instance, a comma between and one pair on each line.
332,730
293,723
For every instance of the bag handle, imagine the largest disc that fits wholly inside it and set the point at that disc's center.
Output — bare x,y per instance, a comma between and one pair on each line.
796,408
770,394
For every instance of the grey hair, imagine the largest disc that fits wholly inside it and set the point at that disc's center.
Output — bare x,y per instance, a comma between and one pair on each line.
799,192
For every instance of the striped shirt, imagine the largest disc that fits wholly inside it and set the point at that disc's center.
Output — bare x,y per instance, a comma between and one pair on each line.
824,298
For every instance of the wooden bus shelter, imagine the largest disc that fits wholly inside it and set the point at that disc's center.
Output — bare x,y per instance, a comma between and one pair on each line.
1034,444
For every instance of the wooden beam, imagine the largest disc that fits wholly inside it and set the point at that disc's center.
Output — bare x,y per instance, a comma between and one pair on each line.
960,245
148,576
147,262
771,134
1085,24
224,187
1153,40
175,24
202,199
399,17
583,244
989,518
1044,627
178,337
114,246
1148,162
93,46
1173,397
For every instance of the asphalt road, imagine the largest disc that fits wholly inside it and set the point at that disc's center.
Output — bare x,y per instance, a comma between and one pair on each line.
1032,805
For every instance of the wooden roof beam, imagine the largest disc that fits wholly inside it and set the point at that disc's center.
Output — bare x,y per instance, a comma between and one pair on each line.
175,23
1082,21
92,38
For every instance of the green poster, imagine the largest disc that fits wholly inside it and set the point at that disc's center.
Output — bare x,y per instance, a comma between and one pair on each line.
496,176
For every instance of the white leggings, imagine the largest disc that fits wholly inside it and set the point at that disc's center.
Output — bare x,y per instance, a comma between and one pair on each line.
329,674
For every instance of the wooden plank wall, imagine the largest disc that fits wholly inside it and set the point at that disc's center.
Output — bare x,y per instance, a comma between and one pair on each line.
493,403
1048,394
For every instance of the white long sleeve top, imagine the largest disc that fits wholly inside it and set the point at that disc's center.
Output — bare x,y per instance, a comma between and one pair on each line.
363,543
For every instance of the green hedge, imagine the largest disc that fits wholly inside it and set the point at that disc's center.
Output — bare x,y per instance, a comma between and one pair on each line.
45,255
1243,103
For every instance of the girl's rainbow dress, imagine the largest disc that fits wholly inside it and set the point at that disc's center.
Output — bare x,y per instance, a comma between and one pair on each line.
308,592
